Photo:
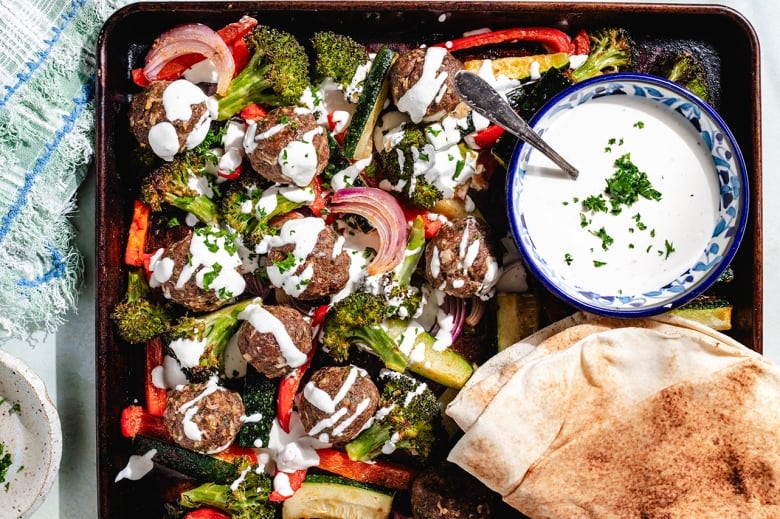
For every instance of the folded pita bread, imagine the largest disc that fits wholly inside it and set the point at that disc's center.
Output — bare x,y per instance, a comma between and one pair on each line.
605,412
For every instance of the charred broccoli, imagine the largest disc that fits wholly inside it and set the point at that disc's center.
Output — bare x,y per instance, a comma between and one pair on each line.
409,421
208,336
337,56
247,498
357,319
611,50
691,63
277,73
400,167
181,183
247,208
138,318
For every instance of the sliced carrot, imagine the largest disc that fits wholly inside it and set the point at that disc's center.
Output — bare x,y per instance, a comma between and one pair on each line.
137,236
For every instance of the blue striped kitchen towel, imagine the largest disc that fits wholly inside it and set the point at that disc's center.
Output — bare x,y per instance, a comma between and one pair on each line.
47,76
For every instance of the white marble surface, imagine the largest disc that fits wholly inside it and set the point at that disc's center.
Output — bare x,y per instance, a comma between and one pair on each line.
70,372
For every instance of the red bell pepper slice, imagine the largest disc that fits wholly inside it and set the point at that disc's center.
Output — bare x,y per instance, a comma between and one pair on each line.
236,452
552,39
288,387
230,34
431,225
137,236
320,197
253,112
136,420
487,137
296,480
206,513
156,397
384,473
581,43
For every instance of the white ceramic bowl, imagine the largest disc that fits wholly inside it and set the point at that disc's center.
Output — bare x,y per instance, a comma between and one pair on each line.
30,431
662,250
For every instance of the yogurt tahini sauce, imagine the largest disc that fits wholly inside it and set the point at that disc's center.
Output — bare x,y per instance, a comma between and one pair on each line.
653,241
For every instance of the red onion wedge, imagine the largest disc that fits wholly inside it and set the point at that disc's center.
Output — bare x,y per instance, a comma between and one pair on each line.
191,38
456,307
384,213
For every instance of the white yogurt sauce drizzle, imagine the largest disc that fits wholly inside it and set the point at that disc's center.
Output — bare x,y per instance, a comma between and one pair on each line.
302,234
265,322
419,97
137,466
177,101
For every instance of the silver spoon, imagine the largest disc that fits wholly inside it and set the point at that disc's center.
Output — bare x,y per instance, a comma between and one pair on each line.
483,98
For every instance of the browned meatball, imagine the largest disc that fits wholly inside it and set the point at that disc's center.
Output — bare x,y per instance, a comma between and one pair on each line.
460,259
338,401
181,127
288,146
188,275
274,339
445,491
421,82
203,417
320,273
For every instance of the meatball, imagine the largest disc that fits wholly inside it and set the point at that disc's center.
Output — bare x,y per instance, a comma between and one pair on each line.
274,339
306,259
203,417
201,271
169,117
338,401
287,146
421,82
460,259
445,491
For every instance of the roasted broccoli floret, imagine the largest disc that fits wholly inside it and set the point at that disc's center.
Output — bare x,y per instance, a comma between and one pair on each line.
181,183
409,420
247,207
398,167
247,498
611,50
357,319
138,318
277,73
693,64
337,56
210,333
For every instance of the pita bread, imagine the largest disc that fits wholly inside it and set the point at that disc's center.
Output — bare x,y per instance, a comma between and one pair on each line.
542,416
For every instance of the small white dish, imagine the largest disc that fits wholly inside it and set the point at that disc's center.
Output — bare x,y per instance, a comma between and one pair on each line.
660,251
30,432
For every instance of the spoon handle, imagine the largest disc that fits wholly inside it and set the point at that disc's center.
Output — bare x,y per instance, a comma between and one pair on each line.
483,99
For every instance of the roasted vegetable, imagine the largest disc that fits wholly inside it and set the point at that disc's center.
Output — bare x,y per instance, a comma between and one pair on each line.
611,50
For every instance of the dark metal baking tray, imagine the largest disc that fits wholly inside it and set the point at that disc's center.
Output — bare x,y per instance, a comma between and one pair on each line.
128,33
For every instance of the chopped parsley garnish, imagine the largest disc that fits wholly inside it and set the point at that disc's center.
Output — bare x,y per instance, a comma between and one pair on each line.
5,463
627,184
568,258
285,264
669,248
595,203
606,239
597,263
639,124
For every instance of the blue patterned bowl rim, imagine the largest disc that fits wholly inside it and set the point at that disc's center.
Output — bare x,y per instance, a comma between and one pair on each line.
729,166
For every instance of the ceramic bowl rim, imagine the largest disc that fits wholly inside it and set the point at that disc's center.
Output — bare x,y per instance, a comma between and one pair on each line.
708,279
54,431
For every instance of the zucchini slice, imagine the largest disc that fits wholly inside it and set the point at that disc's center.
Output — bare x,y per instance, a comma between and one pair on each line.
522,67
335,497
358,139
517,317
711,311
